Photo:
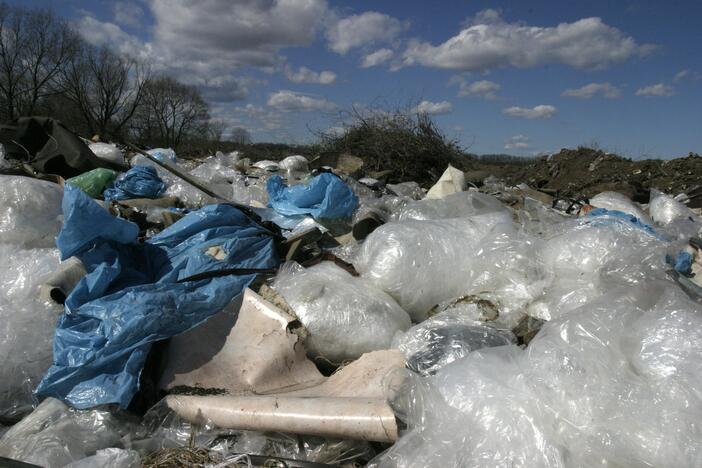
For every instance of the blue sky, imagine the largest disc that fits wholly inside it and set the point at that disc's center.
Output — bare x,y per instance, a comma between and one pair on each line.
511,76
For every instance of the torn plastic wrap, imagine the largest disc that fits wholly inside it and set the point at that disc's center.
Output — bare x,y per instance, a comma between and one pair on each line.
54,435
583,258
29,211
457,205
447,337
325,196
345,316
165,155
27,325
580,395
136,294
615,201
421,263
137,182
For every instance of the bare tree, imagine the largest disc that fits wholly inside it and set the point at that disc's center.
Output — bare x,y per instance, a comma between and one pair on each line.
215,130
241,136
34,48
171,113
107,88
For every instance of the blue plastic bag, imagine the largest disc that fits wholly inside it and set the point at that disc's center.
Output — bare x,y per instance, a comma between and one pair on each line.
131,296
137,182
325,197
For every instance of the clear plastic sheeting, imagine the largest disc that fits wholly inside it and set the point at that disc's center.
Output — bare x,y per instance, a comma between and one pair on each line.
407,189
311,449
665,209
583,258
165,155
619,202
109,458
457,205
30,211
447,337
615,383
54,435
26,325
345,316
107,152
422,263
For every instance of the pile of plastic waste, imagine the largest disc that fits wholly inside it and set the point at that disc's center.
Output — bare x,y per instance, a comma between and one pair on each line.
223,312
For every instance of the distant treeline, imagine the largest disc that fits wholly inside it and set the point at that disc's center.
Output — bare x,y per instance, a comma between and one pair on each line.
46,68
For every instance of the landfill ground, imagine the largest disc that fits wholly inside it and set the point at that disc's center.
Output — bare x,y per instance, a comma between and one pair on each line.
228,311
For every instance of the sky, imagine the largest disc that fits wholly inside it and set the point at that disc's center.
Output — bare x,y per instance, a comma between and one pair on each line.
515,77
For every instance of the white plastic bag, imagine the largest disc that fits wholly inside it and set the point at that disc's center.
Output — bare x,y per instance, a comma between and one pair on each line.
29,211
108,152
295,163
451,181
665,209
344,315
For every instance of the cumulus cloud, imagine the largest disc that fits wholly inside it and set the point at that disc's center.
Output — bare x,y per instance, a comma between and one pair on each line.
222,32
433,108
484,89
290,101
541,111
659,89
101,33
517,142
365,29
378,57
305,75
687,75
257,118
490,42
128,13
223,88
590,90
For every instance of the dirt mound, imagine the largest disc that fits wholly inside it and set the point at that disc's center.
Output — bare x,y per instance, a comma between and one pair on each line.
586,172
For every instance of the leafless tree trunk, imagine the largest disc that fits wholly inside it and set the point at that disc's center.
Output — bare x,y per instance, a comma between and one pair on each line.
34,48
171,112
106,87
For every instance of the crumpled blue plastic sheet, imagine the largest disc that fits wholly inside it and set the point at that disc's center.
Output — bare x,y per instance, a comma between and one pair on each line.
137,182
131,296
325,197
604,216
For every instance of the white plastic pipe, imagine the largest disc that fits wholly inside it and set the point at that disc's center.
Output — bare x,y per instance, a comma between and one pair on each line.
341,418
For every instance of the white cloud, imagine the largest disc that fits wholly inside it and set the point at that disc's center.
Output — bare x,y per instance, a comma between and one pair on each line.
361,30
219,33
433,108
590,90
224,88
659,89
490,42
378,57
484,89
681,75
687,75
290,101
517,142
128,13
305,75
101,33
538,112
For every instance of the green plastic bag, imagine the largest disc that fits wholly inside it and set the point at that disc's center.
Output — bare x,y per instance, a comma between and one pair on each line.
93,182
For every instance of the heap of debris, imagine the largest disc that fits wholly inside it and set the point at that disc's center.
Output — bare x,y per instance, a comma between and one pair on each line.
159,312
